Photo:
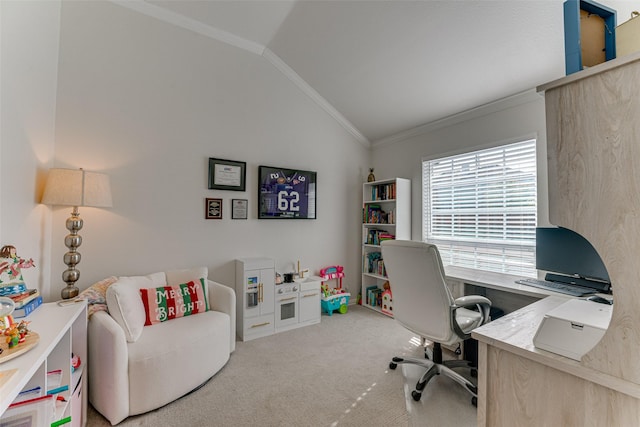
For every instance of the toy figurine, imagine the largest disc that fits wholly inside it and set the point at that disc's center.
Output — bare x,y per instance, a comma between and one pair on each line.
11,266
75,362
16,334
371,176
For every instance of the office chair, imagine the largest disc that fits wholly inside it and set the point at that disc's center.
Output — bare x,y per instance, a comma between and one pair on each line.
422,303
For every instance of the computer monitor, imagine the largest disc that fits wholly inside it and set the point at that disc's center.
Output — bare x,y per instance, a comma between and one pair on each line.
565,252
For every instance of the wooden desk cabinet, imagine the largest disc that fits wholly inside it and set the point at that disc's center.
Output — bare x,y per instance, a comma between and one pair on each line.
521,385
593,153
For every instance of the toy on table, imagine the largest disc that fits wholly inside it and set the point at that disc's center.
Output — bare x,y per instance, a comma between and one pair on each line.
333,298
13,333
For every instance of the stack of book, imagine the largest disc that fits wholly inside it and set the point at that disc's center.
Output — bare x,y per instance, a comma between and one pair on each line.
383,192
25,300
374,237
373,214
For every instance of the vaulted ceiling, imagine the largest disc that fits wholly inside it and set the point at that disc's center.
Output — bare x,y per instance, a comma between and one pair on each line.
385,67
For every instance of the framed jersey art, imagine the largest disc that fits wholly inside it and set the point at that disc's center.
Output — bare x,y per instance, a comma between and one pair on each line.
286,193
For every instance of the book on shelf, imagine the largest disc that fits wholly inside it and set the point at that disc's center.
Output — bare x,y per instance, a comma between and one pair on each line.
22,295
27,309
374,297
372,261
370,290
383,191
373,214
12,289
374,237
24,298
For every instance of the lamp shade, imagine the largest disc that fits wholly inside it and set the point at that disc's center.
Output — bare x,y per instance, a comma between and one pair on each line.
77,187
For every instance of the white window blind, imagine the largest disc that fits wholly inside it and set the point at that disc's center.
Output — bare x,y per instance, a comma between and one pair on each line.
480,208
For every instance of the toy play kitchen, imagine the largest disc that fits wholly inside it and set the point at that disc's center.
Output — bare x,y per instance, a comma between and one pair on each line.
268,303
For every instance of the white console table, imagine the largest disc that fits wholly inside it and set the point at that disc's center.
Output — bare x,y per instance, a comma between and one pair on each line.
62,331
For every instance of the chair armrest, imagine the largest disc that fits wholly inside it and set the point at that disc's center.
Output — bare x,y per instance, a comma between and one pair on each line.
108,367
483,304
223,298
470,300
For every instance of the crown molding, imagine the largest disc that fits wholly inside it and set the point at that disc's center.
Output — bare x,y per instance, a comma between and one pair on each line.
473,113
182,21
315,96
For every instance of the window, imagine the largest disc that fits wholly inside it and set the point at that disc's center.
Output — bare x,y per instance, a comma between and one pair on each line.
480,208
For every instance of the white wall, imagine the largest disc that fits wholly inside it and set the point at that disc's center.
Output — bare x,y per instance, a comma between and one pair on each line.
148,103
510,120
29,37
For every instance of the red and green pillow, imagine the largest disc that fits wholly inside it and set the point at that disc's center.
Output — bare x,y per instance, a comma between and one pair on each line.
170,302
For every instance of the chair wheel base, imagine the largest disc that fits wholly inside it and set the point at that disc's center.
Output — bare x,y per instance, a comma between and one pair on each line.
474,401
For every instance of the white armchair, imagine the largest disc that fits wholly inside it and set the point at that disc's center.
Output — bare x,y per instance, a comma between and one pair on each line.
130,375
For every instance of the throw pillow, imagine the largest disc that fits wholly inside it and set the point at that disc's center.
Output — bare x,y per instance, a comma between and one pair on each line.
96,295
170,302
125,306
177,277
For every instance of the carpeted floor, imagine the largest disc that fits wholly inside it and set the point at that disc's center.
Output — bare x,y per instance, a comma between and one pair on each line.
331,374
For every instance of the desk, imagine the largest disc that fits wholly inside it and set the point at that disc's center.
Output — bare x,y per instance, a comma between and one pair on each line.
500,288
520,384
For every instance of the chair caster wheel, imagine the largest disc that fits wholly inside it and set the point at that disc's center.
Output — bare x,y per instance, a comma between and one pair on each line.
416,395
474,373
474,401
393,365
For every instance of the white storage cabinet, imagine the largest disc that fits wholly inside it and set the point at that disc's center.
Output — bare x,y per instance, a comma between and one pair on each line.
62,332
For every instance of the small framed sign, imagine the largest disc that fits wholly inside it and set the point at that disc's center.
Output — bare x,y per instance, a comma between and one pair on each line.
227,174
239,208
213,209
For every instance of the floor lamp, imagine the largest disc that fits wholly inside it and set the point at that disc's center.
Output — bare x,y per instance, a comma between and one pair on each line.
75,187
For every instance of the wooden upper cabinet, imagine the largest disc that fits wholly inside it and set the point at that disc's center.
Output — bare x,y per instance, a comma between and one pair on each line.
593,137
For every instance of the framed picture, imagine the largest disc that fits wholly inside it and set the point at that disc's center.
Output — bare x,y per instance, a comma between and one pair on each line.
286,193
239,208
227,174
213,209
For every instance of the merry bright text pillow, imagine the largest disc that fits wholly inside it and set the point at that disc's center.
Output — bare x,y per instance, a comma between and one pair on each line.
170,302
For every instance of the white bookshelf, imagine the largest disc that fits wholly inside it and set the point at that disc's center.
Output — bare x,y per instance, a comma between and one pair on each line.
62,331
392,197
